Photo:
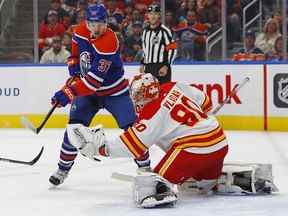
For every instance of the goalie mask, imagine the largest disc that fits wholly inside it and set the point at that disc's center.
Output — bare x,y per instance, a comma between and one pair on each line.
144,88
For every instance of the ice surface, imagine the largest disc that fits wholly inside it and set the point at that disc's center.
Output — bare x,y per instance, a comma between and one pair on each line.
89,190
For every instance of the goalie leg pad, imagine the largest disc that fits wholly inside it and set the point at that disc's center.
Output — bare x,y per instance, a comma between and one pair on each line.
151,190
246,179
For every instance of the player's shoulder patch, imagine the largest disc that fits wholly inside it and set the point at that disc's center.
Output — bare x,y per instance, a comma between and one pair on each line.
81,31
108,44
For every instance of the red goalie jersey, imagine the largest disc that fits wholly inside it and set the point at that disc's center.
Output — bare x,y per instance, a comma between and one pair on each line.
177,121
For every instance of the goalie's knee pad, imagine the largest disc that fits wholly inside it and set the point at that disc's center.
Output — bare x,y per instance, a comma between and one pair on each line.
245,179
151,190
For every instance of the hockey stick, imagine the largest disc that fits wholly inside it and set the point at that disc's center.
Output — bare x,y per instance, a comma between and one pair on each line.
32,162
27,124
228,97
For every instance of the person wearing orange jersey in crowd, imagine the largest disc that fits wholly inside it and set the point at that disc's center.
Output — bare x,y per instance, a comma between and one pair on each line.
250,52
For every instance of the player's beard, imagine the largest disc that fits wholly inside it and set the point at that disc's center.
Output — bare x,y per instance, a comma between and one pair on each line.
56,50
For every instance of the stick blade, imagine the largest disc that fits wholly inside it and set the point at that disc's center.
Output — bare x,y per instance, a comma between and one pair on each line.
27,124
32,162
37,157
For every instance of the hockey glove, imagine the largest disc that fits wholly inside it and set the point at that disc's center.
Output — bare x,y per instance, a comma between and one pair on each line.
73,66
63,97
89,141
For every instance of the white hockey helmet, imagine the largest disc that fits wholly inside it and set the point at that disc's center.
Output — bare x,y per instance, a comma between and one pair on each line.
143,89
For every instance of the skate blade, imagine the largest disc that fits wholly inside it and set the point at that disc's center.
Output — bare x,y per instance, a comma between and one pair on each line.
151,202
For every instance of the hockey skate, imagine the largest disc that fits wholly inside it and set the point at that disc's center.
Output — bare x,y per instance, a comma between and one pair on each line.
58,177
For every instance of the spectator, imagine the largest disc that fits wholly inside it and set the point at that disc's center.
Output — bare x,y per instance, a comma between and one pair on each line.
266,40
277,15
56,54
127,16
233,21
181,10
169,19
111,6
199,41
133,43
250,52
191,38
50,29
136,16
277,54
67,41
79,17
56,6
81,5
70,7
90,2
210,14
192,5
142,5
184,37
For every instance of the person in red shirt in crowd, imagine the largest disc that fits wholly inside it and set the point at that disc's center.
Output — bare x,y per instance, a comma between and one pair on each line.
50,29
142,5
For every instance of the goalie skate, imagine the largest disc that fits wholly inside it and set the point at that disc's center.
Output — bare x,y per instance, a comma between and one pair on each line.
151,190
166,199
58,177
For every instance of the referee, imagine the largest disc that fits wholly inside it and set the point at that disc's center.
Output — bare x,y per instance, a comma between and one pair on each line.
158,46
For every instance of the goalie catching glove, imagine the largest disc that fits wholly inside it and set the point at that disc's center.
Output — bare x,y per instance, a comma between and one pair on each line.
89,141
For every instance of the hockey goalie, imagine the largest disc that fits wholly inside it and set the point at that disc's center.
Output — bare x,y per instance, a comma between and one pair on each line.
175,117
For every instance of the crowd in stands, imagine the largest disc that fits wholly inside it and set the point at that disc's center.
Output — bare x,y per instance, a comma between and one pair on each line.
191,21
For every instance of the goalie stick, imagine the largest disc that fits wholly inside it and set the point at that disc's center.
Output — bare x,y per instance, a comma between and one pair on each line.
32,162
130,178
228,97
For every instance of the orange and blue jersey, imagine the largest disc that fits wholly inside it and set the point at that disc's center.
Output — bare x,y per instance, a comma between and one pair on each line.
99,61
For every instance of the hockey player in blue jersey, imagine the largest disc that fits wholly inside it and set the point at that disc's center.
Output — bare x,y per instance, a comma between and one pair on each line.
98,82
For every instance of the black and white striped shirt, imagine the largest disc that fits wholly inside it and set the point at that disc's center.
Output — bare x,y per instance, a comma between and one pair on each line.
158,45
